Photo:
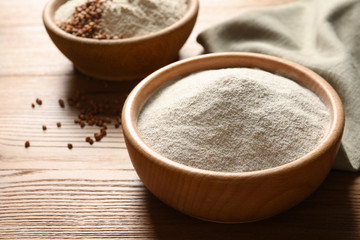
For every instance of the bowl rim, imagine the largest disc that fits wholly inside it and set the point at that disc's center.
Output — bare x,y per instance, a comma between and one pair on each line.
129,119
48,21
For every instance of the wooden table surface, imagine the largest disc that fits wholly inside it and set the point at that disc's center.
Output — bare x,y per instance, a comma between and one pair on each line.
92,191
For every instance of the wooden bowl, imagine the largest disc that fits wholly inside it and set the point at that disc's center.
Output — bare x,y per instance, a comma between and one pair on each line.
124,59
240,196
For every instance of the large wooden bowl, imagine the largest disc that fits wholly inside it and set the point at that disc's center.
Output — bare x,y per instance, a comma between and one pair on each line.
240,196
124,59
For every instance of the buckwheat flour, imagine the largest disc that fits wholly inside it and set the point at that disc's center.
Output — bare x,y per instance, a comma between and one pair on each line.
129,18
233,120
139,17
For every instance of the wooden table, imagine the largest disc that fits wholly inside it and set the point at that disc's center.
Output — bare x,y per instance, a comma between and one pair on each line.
92,191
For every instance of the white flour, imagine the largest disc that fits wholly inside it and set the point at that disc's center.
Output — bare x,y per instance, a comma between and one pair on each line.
65,12
139,17
130,18
233,120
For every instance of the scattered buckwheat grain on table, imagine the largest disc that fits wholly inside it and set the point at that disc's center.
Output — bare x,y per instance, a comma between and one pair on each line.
91,113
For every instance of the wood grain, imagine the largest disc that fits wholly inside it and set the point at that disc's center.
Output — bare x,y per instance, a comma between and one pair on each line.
102,204
92,192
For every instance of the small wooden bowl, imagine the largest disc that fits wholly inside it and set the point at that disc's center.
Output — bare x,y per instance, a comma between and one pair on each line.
124,59
241,196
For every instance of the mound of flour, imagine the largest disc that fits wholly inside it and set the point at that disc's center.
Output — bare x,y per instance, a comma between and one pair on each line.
130,18
233,120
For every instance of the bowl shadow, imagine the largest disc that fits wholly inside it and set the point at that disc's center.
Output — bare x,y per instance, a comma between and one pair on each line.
326,214
86,90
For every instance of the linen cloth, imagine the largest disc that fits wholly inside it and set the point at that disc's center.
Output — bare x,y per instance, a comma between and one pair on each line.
323,35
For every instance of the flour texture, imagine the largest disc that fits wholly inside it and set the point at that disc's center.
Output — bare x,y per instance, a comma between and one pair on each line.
233,120
130,18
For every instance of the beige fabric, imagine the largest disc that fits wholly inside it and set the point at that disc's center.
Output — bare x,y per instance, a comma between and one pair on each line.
323,35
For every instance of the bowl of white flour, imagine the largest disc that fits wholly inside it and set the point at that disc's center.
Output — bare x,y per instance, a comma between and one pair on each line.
119,40
233,137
